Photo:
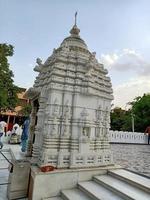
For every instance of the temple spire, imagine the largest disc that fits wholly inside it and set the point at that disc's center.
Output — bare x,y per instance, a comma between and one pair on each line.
75,30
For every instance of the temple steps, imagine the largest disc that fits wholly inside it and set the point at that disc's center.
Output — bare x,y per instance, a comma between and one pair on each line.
53,198
134,179
117,184
98,192
122,188
74,194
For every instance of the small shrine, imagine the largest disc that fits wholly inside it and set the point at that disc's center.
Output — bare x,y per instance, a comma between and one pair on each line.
71,102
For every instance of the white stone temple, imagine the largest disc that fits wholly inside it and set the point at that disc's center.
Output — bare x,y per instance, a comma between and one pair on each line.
71,100
69,130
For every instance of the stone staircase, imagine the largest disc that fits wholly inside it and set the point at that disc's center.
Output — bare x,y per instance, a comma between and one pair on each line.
117,184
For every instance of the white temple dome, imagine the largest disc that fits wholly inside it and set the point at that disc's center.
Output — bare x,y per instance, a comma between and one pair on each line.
74,39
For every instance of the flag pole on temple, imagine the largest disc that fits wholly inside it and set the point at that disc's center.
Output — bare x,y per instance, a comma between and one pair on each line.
76,18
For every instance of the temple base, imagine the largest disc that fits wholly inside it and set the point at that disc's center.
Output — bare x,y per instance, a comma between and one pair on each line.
49,184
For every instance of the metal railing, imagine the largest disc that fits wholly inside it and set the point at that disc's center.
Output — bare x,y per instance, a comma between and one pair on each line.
10,169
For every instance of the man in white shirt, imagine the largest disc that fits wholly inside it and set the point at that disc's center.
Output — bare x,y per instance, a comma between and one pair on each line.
15,129
2,131
15,134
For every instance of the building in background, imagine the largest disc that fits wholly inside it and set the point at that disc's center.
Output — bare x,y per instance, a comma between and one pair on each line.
16,115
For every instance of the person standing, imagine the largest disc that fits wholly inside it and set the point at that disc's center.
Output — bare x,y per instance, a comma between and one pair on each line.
24,136
147,131
14,134
3,125
15,129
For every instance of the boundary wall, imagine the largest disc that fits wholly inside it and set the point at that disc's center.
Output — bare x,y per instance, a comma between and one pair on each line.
127,137
114,137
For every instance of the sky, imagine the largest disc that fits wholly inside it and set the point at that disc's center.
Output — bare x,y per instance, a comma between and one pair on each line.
117,30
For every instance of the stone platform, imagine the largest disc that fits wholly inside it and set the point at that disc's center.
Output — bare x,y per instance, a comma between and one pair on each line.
52,183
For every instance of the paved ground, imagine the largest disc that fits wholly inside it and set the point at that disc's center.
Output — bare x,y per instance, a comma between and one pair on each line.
4,172
133,157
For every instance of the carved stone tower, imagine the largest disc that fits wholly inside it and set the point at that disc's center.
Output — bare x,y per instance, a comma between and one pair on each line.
71,100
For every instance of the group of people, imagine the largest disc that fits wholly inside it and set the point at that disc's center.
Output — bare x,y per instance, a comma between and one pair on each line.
21,133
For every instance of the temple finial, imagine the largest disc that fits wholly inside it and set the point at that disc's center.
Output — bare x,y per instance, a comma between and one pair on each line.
76,18
75,30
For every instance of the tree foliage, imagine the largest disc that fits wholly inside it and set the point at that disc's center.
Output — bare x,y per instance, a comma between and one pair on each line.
121,120
141,111
8,97
117,118
26,110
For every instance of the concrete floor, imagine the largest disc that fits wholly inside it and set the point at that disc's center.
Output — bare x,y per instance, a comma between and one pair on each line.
4,172
133,157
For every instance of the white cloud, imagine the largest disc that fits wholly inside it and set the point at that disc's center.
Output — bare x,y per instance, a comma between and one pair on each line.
126,60
108,59
126,92
137,82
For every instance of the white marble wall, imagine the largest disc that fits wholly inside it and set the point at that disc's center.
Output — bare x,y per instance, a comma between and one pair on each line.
127,137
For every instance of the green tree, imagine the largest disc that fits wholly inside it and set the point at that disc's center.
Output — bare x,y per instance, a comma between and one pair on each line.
121,120
117,117
141,111
127,125
8,90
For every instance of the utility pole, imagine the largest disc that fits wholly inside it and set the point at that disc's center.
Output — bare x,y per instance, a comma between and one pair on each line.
132,121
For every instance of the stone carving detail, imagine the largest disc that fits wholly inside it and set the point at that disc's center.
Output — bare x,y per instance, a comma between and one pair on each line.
99,117
38,67
56,108
66,112
54,128
55,115
66,119
85,136
84,115
107,118
66,47
89,66
54,51
85,127
99,122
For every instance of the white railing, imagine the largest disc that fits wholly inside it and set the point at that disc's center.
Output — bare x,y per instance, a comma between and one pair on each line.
114,137
127,137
